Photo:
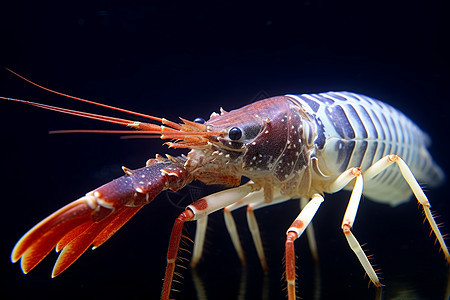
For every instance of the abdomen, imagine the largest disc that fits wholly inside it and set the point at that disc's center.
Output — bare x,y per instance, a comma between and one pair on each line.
356,131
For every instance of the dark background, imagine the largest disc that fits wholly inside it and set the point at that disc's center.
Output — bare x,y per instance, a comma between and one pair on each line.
180,58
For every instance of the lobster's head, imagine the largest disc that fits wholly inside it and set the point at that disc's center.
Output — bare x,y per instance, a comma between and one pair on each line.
271,139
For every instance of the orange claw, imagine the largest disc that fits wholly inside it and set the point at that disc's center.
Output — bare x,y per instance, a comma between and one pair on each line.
94,218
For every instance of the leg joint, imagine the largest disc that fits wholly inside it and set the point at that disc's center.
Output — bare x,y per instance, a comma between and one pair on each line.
346,228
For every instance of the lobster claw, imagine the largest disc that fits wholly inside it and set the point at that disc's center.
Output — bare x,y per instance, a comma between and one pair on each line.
95,217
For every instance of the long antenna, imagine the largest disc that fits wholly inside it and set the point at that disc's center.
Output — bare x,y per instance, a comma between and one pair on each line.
162,120
85,100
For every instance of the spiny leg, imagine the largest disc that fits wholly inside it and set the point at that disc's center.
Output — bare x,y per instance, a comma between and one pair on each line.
350,215
388,160
196,210
310,233
293,233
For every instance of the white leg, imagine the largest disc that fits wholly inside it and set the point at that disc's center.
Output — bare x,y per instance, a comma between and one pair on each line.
388,160
254,230
310,233
231,225
253,224
199,285
350,215
200,233
253,201
232,230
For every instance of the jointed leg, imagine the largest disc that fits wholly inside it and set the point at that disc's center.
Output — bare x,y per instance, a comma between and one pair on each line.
256,199
388,160
232,230
198,209
253,224
310,233
231,225
350,215
294,232
254,230
172,252
253,201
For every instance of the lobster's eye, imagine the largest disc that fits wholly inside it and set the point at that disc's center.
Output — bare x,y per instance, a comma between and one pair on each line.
199,120
235,133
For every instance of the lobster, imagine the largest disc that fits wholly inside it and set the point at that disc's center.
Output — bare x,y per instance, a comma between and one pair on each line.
292,146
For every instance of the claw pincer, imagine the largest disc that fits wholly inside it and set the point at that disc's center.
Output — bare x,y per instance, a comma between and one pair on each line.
95,217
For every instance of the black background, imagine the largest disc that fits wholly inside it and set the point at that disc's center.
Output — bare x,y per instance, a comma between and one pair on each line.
176,58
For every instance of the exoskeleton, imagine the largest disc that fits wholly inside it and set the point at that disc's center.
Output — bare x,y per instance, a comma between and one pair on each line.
292,146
